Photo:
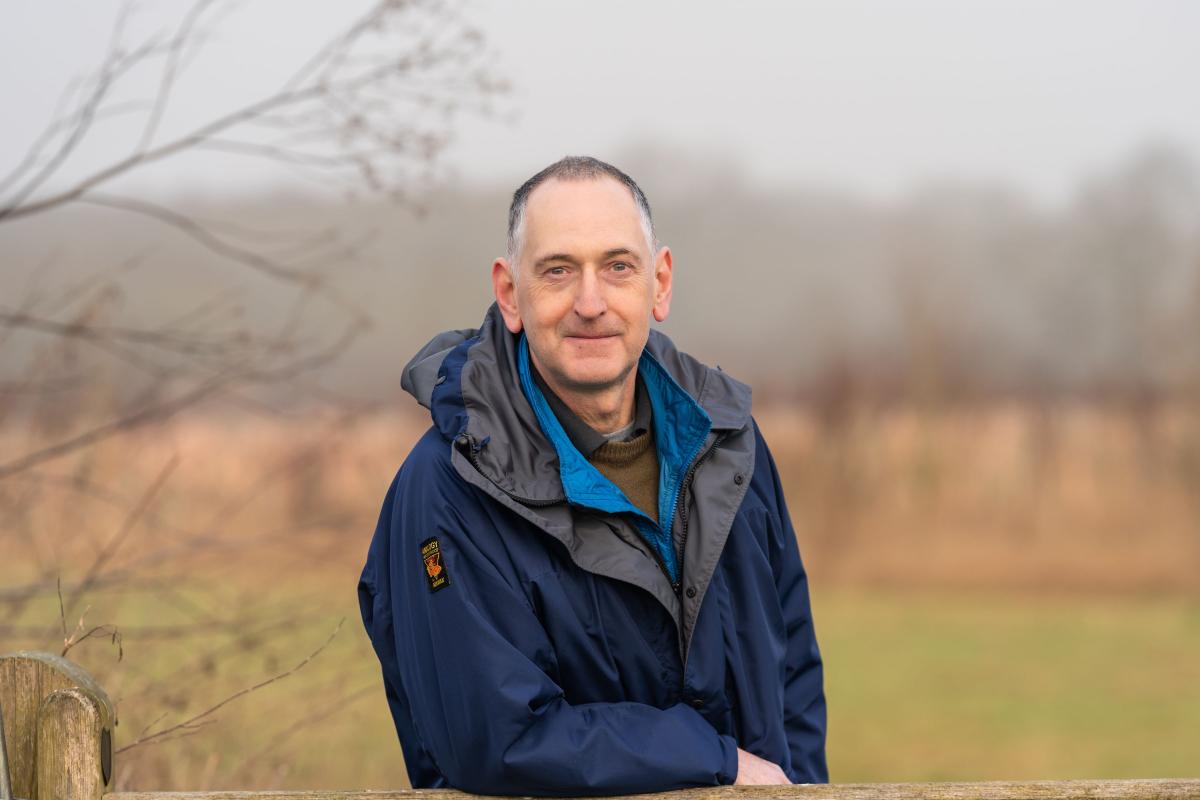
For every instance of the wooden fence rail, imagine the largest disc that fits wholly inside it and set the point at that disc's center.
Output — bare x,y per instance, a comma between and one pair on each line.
58,725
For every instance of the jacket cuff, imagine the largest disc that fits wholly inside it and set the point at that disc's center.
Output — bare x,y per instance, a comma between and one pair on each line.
729,765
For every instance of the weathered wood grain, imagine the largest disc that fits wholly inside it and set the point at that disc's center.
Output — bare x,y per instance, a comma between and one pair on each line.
34,685
1038,790
69,757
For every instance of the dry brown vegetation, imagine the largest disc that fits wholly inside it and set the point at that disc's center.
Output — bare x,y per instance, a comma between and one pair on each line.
1074,496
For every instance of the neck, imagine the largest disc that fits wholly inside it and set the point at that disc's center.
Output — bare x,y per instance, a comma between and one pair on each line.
605,410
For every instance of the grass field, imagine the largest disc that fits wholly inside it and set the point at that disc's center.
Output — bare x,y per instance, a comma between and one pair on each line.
997,596
968,686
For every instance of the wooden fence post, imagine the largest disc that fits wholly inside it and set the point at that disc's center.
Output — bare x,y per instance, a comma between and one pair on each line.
58,726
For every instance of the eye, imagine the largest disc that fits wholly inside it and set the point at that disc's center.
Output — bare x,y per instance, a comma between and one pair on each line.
557,271
621,266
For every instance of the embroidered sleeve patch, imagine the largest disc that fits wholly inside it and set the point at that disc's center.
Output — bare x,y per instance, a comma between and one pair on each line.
435,568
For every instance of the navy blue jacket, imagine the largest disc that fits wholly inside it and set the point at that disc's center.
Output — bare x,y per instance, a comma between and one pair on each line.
540,635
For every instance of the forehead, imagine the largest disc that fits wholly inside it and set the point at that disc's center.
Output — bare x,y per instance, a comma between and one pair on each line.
565,215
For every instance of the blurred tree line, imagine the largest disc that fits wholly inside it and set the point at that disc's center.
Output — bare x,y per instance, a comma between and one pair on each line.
958,292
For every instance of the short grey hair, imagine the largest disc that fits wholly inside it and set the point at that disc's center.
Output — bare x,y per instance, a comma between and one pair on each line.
572,168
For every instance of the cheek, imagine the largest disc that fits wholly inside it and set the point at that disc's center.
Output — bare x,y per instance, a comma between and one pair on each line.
634,305
542,309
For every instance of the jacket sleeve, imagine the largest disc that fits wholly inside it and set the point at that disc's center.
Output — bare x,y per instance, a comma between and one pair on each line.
804,693
476,664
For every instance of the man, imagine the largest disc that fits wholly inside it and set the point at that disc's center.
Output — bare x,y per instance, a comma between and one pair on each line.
584,579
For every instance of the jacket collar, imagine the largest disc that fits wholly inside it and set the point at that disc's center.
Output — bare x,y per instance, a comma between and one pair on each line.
586,438
471,381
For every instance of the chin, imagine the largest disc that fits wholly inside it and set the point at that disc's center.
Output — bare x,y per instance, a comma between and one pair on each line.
595,376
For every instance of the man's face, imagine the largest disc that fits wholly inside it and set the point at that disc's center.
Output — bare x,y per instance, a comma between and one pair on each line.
587,283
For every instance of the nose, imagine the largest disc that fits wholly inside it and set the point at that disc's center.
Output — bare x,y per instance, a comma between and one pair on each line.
590,302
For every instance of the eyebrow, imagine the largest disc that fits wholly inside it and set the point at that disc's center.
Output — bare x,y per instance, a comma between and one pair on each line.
620,251
616,251
555,257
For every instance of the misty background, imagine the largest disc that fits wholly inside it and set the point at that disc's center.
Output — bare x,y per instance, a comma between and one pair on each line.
954,247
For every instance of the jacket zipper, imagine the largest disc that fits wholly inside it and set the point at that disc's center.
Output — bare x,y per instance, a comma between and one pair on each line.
681,508
683,520
662,565
687,485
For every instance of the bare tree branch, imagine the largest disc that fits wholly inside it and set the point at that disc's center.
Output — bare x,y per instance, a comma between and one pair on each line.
158,411
193,720
159,339
368,111
338,705
167,80
296,95
114,64
109,549
206,238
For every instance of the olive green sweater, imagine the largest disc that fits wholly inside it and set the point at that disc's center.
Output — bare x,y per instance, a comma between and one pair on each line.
633,466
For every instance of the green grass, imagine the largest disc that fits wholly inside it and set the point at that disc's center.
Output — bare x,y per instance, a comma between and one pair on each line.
992,687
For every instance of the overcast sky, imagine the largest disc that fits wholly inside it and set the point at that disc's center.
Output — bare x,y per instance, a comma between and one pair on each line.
863,96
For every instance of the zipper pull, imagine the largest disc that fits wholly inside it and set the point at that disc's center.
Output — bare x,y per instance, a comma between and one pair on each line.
467,442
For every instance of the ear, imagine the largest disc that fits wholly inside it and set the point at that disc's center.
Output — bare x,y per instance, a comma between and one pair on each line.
506,294
662,284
